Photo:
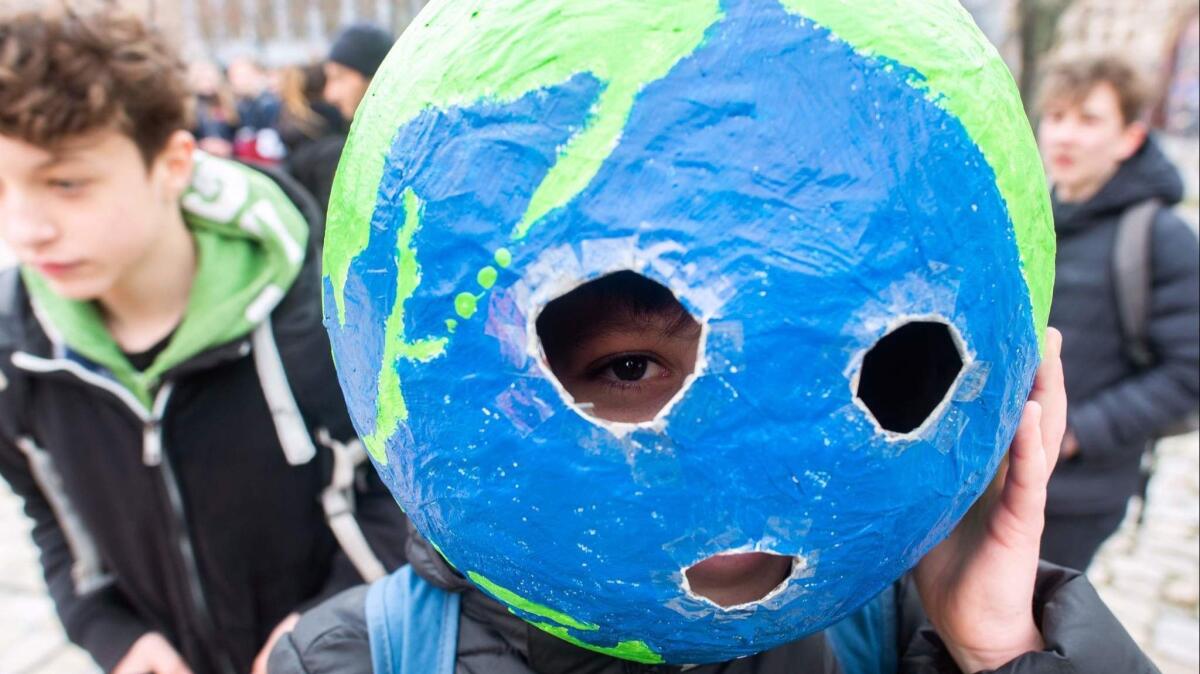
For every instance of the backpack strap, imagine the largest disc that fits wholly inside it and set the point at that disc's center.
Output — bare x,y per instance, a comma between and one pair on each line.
337,499
1133,279
412,625
865,642
285,413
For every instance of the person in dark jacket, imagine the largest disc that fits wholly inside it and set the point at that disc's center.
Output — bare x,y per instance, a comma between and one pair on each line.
978,601
169,411
1102,164
353,60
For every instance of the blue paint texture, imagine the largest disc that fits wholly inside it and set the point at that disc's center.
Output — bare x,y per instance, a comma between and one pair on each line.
802,199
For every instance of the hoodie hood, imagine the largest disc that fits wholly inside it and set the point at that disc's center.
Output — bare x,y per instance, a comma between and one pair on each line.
250,245
1148,174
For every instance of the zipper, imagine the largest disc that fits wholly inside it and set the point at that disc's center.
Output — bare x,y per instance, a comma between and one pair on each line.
188,553
152,449
154,456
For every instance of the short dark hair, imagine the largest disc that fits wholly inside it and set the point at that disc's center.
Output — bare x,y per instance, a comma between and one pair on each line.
1072,80
617,297
66,70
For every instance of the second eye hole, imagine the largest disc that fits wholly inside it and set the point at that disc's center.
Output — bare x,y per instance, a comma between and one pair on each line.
908,374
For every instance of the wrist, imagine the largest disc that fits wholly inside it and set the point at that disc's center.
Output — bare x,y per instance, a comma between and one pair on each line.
970,660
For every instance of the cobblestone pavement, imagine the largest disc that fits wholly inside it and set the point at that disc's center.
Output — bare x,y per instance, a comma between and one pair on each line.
1149,575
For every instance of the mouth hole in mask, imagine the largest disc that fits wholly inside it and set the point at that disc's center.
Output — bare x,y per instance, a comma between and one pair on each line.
622,346
908,376
736,579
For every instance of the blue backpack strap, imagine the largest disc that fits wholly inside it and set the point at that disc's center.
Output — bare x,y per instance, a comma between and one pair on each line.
413,625
865,642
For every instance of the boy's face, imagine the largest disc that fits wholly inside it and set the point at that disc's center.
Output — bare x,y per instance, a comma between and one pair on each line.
1083,142
86,212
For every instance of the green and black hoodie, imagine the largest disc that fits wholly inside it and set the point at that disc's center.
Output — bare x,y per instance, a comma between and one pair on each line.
186,497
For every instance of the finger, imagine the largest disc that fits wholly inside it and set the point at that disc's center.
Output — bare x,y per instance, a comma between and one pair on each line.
1050,392
1021,517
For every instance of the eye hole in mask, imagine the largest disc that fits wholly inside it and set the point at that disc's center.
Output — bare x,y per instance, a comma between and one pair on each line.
622,346
908,375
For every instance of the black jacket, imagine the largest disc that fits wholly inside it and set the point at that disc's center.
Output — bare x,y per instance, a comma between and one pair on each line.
220,541
1115,407
1081,635
314,164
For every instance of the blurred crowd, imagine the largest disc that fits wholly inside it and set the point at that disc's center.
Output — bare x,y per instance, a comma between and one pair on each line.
293,116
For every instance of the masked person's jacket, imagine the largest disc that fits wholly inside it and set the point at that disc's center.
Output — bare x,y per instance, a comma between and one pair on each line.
1081,636
187,498
1117,406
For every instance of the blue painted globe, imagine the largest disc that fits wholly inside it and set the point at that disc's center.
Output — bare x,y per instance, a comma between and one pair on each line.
806,177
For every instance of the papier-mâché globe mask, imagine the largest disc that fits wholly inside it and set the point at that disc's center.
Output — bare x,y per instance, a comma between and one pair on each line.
839,191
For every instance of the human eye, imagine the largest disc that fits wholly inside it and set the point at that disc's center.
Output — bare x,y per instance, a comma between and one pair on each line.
627,387
67,185
629,369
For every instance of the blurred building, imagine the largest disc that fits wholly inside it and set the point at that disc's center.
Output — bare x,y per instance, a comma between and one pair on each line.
273,31
1139,29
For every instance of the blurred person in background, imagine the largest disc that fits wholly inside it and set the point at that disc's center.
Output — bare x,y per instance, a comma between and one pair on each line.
1106,170
257,106
216,116
169,411
305,116
255,139
354,58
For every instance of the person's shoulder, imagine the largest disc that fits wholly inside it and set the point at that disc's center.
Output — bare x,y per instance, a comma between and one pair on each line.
330,638
1174,240
1170,225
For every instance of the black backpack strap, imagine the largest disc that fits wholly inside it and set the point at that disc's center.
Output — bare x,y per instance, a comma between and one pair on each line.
1133,279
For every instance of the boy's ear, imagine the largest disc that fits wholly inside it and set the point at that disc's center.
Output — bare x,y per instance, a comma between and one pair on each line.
1132,139
174,163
